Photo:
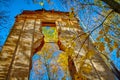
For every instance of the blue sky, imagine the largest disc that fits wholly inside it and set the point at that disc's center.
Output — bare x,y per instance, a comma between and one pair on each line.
15,7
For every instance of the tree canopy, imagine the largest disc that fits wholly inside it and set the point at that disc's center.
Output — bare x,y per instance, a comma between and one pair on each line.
99,19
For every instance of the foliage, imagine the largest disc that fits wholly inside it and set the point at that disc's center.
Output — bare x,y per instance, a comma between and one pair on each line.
106,24
47,63
50,34
107,31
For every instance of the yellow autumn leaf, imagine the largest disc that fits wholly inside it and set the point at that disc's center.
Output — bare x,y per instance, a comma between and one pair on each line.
106,29
101,47
71,15
71,51
85,47
64,78
110,49
54,68
79,76
83,36
96,43
101,32
103,57
63,60
72,9
73,44
82,58
86,68
107,39
81,61
98,38
90,54
115,45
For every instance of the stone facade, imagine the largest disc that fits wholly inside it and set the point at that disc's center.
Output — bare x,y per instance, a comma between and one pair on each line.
26,38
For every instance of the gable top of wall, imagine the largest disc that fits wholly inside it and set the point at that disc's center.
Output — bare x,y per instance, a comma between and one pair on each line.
46,15
42,12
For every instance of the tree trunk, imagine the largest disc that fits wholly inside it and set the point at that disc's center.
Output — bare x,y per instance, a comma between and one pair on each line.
113,5
71,67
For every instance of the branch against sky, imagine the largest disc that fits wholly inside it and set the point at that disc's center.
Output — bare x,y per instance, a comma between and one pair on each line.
113,5
92,32
85,4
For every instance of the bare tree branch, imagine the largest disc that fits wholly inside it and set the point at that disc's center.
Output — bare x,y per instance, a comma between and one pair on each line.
92,32
113,4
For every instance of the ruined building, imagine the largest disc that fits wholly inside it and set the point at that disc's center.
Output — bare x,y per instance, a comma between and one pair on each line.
26,39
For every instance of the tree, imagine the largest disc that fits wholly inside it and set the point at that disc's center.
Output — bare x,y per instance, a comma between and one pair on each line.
105,24
113,4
